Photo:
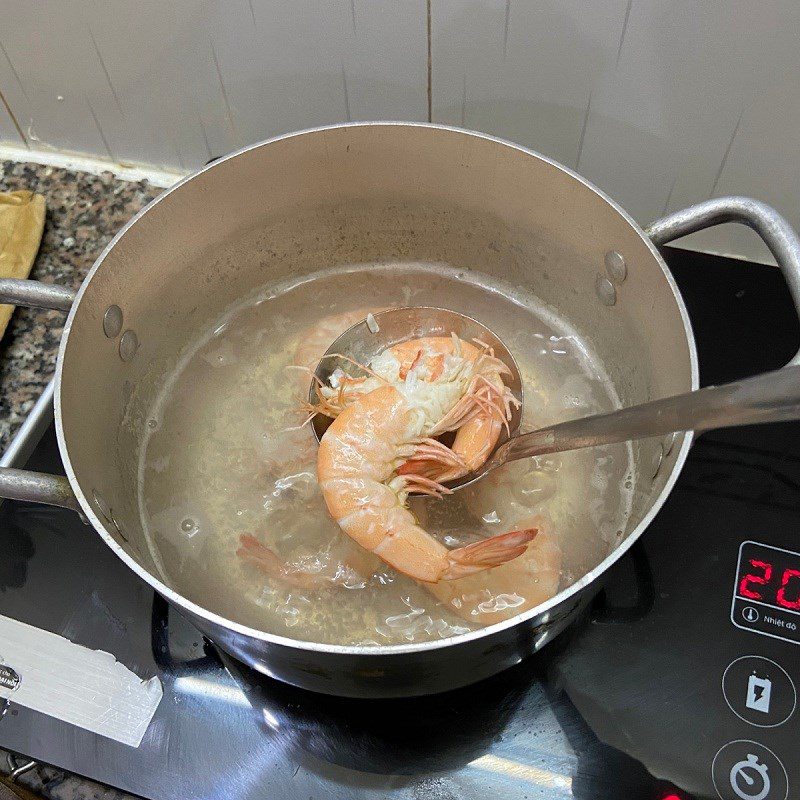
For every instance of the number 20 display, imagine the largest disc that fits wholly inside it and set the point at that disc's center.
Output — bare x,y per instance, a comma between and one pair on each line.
770,577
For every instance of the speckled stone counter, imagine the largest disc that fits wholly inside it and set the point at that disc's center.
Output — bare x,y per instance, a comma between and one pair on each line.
55,784
83,213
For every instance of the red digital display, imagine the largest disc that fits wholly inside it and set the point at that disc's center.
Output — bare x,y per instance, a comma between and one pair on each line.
770,576
789,594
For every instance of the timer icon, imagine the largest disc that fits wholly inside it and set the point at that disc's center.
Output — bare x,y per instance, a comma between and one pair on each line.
747,785
746,770
750,614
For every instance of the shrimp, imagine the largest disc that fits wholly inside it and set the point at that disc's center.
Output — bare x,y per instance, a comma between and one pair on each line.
355,567
391,426
477,418
251,550
509,589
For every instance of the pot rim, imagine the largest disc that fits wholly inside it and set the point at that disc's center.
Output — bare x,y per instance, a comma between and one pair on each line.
539,611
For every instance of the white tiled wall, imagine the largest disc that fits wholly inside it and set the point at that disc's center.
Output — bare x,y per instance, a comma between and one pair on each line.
172,83
660,102
8,133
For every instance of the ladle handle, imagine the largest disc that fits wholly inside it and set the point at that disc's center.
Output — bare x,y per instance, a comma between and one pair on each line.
770,397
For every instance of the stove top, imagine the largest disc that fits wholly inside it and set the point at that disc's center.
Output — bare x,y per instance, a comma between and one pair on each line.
679,682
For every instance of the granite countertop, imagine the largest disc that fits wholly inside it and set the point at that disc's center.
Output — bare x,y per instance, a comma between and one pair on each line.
84,212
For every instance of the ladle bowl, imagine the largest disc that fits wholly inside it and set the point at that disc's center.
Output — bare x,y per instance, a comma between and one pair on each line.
366,339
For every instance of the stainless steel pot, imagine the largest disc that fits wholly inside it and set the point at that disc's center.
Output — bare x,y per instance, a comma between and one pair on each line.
364,193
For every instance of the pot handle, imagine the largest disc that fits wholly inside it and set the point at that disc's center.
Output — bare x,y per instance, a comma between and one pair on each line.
18,484
160,644
35,294
774,230
605,612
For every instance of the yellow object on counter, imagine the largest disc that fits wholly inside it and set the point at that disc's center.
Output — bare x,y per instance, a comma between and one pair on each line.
21,226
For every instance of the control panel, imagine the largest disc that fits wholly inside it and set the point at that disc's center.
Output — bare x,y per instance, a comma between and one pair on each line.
760,691
766,596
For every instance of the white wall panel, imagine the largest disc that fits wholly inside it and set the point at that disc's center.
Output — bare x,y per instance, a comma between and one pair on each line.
667,121
9,127
661,102
8,131
174,83
506,68
385,58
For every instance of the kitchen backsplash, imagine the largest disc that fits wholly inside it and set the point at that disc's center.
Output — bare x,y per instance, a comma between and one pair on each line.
660,102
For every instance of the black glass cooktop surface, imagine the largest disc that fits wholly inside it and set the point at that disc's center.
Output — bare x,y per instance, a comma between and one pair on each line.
679,682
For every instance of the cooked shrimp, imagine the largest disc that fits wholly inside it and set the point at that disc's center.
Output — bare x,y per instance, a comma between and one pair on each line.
509,589
258,554
356,567
477,425
478,417
362,451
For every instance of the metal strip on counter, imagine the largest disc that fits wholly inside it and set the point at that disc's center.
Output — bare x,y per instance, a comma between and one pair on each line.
31,431
88,688
50,674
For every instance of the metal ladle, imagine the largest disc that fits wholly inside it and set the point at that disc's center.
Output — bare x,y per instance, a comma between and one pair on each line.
361,344
769,397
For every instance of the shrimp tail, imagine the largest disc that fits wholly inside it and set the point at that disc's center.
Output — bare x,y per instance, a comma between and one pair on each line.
488,553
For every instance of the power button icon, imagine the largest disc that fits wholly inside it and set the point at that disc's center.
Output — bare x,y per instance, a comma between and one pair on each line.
744,770
759,691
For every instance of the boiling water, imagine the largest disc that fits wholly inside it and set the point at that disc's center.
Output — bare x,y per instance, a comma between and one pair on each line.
224,456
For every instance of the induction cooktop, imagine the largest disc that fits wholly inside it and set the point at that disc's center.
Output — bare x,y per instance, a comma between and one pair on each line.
679,682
